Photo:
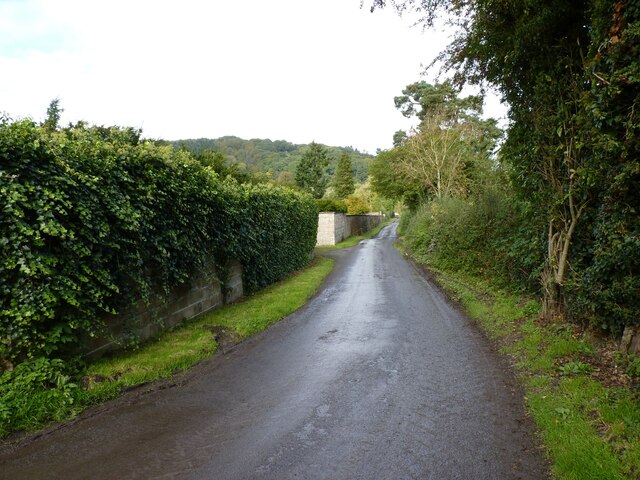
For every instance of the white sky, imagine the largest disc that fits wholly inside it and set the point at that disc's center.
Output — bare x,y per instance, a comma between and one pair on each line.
296,70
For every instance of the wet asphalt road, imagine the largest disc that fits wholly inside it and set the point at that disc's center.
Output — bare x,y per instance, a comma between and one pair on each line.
378,377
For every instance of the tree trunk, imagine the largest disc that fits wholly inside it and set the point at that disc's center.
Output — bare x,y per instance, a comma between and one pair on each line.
554,301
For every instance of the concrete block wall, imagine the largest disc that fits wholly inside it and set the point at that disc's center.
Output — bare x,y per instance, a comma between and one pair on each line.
360,224
143,321
332,228
335,227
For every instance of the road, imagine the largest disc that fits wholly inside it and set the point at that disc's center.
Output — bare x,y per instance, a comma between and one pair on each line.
378,377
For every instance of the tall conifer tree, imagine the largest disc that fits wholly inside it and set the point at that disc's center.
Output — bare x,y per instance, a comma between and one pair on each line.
343,180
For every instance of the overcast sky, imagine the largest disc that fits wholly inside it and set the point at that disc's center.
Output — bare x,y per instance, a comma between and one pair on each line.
296,70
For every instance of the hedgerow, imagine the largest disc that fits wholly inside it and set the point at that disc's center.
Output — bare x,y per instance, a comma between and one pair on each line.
490,235
93,219
282,225
331,205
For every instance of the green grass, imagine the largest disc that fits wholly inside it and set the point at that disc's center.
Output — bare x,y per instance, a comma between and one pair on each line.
39,402
181,348
355,239
590,431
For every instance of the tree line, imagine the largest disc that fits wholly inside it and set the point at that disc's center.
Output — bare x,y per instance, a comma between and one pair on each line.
273,160
556,208
338,177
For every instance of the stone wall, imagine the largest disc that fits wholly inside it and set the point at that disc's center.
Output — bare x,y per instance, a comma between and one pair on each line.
202,293
360,224
335,227
332,228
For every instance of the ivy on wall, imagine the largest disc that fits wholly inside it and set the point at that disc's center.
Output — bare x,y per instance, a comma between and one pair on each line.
93,219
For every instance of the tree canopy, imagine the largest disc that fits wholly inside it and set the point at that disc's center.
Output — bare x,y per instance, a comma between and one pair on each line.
570,73
272,157
444,156
310,172
343,179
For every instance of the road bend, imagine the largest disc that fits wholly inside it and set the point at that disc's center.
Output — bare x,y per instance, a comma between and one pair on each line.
377,377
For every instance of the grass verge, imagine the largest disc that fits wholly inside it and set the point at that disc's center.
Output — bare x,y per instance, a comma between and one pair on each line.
355,239
586,411
55,397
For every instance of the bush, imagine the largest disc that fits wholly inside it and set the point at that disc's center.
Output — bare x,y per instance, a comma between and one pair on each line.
331,205
357,205
491,234
95,219
605,288
283,225
36,390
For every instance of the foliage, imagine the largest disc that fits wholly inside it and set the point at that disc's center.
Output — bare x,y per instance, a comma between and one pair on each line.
96,218
574,368
35,390
570,72
605,289
343,179
392,183
280,226
357,205
220,164
331,205
399,138
310,172
273,157
633,367
448,155
376,202
54,111
286,179
440,100
490,235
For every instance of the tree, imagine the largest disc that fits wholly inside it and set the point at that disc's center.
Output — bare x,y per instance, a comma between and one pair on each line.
219,163
444,156
285,178
399,138
423,100
390,183
54,111
569,70
376,202
310,173
343,178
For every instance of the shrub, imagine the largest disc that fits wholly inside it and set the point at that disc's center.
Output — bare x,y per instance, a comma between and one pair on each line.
36,390
283,225
331,205
357,205
491,234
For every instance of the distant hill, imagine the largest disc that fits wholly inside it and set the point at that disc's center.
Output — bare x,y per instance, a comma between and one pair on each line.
258,155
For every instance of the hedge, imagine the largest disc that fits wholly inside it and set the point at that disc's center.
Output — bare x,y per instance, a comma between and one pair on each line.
93,219
331,205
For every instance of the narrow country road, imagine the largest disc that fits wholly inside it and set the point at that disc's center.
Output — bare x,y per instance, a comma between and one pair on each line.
378,377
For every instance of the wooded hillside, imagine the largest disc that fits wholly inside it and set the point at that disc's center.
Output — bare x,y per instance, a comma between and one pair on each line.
273,156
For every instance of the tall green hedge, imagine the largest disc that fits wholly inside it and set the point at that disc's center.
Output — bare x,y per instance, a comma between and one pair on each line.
491,234
93,219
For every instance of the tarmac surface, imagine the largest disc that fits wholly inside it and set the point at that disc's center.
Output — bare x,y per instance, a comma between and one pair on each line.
377,377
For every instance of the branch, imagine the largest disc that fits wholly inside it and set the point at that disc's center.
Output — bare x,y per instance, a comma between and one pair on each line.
605,81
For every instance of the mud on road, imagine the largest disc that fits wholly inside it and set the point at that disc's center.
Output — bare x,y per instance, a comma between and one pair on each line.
378,377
